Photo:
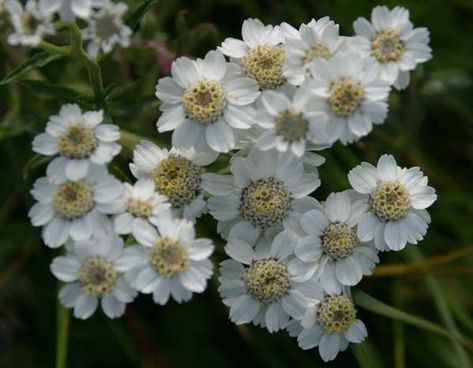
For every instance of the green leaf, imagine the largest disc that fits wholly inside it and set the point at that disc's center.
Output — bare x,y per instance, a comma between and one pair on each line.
35,161
134,18
373,305
366,355
61,92
37,61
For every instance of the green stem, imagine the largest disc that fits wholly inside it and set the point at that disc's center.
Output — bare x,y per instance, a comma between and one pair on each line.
92,66
54,49
63,316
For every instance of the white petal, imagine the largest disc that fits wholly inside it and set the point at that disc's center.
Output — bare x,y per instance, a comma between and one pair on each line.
85,306
65,268
356,333
220,136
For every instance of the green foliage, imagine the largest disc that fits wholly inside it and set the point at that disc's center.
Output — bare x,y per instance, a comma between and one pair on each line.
425,319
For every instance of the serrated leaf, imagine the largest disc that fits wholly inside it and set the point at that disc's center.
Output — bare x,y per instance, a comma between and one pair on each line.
37,61
56,90
134,18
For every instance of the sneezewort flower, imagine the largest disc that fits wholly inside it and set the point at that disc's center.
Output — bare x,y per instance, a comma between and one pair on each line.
80,139
206,103
75,209
393,43
262,194
397,199
92,269
259,287
169,261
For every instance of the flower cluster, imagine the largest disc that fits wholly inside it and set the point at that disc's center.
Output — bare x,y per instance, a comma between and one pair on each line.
262,105
105,25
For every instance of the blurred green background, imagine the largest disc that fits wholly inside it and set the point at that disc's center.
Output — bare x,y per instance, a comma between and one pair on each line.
430,124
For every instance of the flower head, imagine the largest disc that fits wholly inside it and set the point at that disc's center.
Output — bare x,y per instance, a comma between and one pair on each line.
106,29
347,87
260,287
316,39
396,199
393,43
30,23
140,203
329,246
75,209
263,192
260,54
80,139
330,325
176,174
92,269
206,103
169,261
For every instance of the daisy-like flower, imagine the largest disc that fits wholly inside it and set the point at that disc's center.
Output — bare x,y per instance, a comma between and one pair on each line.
30,24
75,209
317,39
348,88
170,261
263,193
93,271
290,125
331,325
80,139
397,199
260,287
140,203
176,174
393,43
329,246
206,102
106,29
69,9
260,54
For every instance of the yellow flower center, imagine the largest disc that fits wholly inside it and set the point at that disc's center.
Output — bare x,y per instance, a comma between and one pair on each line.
387,46
336,313
205,101
316,51
73,199
346,96
265,64
97,276
78,142
291,125
169,257
139,208
390,201
268,280
339,240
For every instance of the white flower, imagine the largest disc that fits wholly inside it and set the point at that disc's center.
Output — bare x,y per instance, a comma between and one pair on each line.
206,102
330,325
260,54
80,139
329,246
171,262
106,29
140,203
348,88
75,209
263,192
393,43
261,287
176,174
317,39
397,199
291,124
30,23
93,269
69,9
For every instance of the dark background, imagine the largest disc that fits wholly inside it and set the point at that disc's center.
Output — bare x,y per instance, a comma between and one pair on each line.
430,124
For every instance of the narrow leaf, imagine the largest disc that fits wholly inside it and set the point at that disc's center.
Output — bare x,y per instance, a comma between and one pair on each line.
37,61
367,355
55,90
133,20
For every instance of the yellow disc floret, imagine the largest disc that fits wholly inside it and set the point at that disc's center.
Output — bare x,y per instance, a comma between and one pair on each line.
387,46
73,199
317,51
265,64
338,240
168,256
205,101
291,125
390,201
346,96
336,313
77,142
97,276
